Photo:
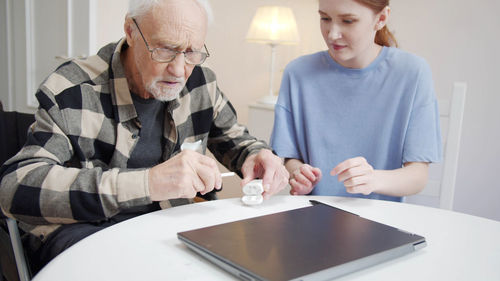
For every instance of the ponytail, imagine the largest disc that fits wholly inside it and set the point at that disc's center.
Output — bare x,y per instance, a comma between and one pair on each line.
384,37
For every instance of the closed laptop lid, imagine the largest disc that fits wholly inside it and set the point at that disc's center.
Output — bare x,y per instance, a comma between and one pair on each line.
312,243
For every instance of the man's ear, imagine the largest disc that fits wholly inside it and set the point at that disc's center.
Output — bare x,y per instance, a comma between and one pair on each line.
128,27
383,17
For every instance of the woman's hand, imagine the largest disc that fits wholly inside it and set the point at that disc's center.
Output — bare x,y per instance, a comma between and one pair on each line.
303,177
357,175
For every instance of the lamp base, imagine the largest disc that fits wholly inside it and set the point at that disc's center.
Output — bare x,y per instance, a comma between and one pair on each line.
268,99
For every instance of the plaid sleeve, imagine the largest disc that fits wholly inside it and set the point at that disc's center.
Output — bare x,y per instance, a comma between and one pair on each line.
228,141
45,183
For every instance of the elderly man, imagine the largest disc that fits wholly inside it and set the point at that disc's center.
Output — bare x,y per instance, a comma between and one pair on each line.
106,144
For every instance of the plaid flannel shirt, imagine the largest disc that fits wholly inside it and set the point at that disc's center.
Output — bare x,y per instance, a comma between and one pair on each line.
73,167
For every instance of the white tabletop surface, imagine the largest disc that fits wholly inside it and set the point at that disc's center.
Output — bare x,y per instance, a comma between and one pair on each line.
459,246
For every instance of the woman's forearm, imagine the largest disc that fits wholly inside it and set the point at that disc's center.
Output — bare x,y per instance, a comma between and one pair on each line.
292,164
409,180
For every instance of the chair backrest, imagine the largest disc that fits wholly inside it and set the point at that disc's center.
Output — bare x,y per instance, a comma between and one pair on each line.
13,132
440,189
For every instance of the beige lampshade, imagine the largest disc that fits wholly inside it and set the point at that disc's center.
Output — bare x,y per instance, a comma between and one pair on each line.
273,25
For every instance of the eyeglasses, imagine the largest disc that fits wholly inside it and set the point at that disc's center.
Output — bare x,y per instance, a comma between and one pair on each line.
168,55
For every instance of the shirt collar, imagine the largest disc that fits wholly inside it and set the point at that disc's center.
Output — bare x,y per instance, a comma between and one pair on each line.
122,98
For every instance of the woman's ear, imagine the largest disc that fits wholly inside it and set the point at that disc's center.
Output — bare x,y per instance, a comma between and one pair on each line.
383,17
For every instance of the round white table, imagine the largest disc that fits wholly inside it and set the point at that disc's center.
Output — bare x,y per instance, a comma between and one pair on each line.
459,246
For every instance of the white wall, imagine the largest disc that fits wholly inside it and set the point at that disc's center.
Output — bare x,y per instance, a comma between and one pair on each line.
109,21
461,41
242,67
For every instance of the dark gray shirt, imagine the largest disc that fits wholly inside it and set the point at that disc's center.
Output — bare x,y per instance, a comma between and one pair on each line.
149,149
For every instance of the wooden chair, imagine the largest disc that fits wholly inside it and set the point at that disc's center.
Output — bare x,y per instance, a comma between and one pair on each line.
440,190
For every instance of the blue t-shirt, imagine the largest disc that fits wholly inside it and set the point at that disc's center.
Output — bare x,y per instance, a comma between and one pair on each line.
386,112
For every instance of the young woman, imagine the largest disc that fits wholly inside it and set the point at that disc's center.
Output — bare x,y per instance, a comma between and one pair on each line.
364,111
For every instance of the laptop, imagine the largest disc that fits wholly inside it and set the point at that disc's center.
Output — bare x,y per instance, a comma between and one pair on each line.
319,242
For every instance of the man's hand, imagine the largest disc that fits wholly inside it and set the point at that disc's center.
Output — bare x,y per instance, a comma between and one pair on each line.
304,178
183,175
269,168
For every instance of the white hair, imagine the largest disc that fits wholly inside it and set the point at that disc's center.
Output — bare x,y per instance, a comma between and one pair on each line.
138,8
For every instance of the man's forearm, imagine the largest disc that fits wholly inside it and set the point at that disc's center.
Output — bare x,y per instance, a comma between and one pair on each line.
58,194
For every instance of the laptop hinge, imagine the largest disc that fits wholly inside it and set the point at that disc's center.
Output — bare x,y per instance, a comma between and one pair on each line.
419,245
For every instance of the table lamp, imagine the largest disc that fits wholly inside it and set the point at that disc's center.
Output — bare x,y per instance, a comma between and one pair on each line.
273,25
